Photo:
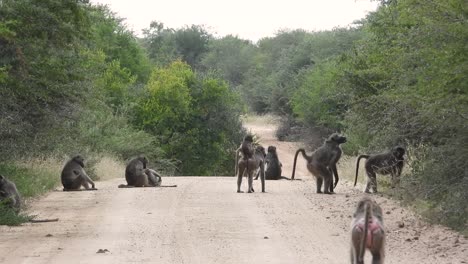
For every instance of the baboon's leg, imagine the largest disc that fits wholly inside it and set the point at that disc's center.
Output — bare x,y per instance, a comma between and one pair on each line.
240,172
85,184
319,181
371,183
250,179
262,175
326,177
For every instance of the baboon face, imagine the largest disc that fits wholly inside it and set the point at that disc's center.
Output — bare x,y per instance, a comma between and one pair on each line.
79,159
398,152
337,138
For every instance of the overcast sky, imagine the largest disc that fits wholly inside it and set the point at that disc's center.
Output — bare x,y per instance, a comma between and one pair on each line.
249,19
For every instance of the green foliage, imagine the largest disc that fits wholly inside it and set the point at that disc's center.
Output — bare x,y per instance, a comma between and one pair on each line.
118,43
196,119
231,57
9,217
319,101
30,182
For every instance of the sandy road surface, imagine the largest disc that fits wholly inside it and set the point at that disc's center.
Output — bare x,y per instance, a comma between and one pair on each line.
204,220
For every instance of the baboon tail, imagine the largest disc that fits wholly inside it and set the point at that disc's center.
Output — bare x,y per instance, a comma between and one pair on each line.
295,160
43,220
362,247
357,166
236,167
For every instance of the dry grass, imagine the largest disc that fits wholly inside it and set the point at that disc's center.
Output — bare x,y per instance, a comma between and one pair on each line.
267,119
109,168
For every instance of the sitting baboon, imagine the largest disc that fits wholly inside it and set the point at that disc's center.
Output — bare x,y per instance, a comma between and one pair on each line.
390,162
138,175
273,166
367,232
74,176
9,195
251,166
322,163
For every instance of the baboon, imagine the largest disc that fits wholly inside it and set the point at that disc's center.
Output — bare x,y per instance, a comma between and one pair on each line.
138,175
322,163
154,179
251,166
247,147
9,195
74,176
273,166
390,162
367,231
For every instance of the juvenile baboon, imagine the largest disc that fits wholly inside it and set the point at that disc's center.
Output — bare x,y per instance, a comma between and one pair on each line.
74,176
273,166
251,166
367,231
322,163
154,179
390,162
9,195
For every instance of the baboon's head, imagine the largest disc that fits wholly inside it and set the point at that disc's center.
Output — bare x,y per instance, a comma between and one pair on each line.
272,149
336,138
260,149
143,160
248,138
79,159
398,152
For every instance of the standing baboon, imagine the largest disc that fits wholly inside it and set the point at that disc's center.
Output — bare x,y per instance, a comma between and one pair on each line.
322,163
273,166
9,195
367,231
74,176
390,162
251,166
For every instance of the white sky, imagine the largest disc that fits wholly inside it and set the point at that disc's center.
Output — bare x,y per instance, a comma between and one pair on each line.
249,19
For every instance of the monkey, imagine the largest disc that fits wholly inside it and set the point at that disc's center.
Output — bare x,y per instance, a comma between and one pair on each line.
247,147
252,165
9,195
273,167
138,175
322,163
390,162
74,176
154,179
367,232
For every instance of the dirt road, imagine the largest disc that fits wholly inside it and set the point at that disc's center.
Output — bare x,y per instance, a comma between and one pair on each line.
204,220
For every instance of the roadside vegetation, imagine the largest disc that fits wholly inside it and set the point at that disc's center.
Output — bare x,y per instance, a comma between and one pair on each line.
74,79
